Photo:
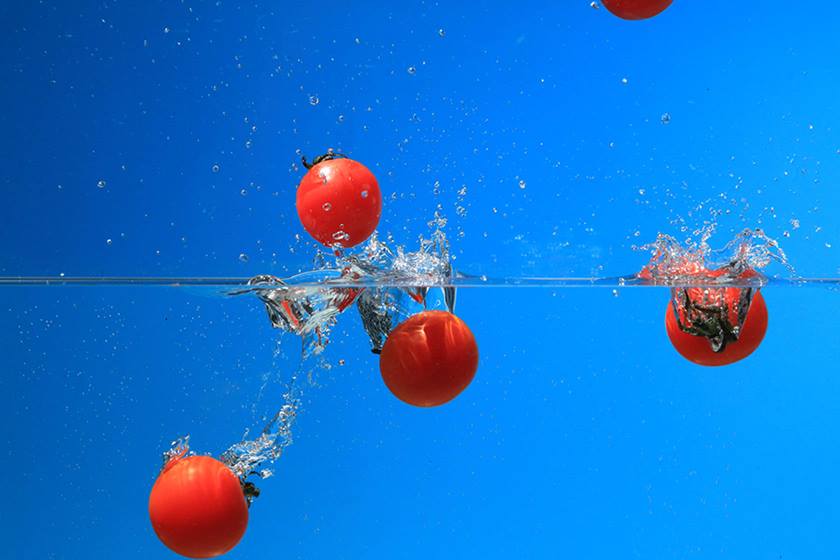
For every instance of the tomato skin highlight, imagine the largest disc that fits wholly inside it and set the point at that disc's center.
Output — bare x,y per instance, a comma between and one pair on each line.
636,9
429,359
197,507
697,349
339,201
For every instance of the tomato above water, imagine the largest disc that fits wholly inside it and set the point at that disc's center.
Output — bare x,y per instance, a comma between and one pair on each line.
429,359
636,9
339,202
197,507
698,349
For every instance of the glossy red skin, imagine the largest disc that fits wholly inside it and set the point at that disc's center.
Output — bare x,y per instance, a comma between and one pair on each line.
636,9
197,507
339,184
697,348
429,359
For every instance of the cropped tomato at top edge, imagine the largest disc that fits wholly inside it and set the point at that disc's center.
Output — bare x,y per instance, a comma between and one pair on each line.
636,9
339,202
429,359
197,507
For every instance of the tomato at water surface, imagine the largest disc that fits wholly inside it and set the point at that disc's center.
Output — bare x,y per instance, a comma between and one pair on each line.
636,9
698,349
339,202
429,359
197,507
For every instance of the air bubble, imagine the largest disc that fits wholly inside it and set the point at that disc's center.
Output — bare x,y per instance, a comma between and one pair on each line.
522,184
412,70
109,241
101,183
313,100
216,167
665,118
442,32
327,207
243,257
364,194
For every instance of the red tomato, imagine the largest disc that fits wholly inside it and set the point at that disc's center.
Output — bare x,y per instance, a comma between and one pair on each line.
698,349
636,9
197,507
338,202
429,359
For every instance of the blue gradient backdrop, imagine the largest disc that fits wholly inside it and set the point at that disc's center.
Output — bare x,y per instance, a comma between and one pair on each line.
584,435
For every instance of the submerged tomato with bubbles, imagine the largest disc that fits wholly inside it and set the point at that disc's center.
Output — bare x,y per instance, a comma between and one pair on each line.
715,317
197,507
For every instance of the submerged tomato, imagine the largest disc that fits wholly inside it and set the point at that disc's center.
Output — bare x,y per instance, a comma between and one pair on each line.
698,349
429,359
636,9
338,202
197,507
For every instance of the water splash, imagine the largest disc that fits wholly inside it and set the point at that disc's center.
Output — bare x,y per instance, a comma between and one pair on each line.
178,449
712,290
386,286
674,262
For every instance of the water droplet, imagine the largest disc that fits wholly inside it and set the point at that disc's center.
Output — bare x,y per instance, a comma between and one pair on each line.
341,236
327,207
665,118
412,70
216,167
313,100
243,257
101,183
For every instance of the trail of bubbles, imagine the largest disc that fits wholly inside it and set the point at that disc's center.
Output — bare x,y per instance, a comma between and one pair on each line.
246,457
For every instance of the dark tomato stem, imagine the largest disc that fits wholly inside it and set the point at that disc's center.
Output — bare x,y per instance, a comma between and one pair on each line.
325,157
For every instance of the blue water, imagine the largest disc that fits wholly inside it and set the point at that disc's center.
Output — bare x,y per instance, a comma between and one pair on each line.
584,433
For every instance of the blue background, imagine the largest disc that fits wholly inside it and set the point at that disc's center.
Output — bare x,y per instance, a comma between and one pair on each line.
584,434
